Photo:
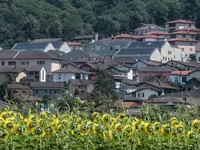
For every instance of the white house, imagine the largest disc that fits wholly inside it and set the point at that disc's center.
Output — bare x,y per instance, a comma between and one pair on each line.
61,46
145,93
68,72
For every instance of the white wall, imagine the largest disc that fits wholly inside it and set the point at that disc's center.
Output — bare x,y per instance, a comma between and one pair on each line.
156,55
130,74
64,77
49,47
65,48
147,93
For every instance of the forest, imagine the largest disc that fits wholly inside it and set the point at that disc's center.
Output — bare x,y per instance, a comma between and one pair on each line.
25,20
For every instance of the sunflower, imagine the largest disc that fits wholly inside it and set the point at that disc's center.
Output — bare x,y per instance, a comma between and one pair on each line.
30,125
55,123
121,115
20,129
41,122
165,130
43,115
190,134
32,117
4,115
9,125
195,124
3,134
38,131
118,127
105,118
149,128
95,114
179,128
129,129
64,122
49,131
157,126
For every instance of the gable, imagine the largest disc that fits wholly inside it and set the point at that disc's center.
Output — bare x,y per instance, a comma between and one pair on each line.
139,64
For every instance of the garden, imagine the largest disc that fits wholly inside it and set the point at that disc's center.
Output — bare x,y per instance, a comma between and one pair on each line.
100,131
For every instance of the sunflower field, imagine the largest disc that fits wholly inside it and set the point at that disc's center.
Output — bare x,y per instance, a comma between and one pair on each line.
46,131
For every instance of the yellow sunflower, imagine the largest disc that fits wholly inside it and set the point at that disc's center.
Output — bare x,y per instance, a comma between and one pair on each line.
195,124
166,130
105,118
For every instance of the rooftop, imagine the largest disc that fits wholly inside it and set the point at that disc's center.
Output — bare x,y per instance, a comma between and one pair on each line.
157,33
80,82
168,99
189,29
181,40
181,21
154,69
74,44
47,85
182,73
18,86
184,33
158,85
47,40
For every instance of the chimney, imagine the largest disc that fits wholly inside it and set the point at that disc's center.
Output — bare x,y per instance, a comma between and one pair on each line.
96,37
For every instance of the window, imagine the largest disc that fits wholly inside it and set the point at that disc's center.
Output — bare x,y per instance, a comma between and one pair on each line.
46,91
49,91
183,35
138,94
40,62
42,75
78,76
164,77
3,63
22,62
190,49
182,49
169,52
111,48
183,79
176,79
36,91
12,63
59,76
55,92
142,94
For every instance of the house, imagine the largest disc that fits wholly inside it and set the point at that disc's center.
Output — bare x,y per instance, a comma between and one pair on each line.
160,34
148,73
162,88
189,29
121,72
61,46
193,74
18,88
146,28
187,46
193,84
156,51
127,86
150,38
183,34
145,93
125,37
12,73
39,89
179,24
75,46
86,39
68,72
23,59
181,65
170,101
44,47
179,76
76,86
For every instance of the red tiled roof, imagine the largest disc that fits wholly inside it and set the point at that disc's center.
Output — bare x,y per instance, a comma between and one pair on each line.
181,40
181,21
125,36
167,100
126,104
184,32
157,33
189,29
184,73
74,44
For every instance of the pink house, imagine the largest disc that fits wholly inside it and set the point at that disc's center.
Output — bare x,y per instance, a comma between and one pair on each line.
186,45
161,73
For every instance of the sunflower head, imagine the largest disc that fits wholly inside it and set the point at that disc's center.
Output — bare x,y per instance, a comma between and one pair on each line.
121,115
3,134
195,124
166,130
8,125
105,118
190,135
38,131
49,131
43,115
95,114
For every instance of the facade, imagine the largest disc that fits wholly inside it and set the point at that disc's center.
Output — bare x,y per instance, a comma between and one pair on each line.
193,84
82,85
183,34
61,46
39,89
197,50
69,72
161,73
75,46
145,93
23,59
179,76
146,28
179,24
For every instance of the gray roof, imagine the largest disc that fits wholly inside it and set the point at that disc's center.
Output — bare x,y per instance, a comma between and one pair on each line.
129,82
34,55
47,40
18,86
7,54
154,69
33,68
141,44
84,37
58,54
135,52
29,46
47,85
11,69
75,55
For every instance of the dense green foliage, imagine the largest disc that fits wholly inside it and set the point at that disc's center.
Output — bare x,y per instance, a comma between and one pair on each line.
24,20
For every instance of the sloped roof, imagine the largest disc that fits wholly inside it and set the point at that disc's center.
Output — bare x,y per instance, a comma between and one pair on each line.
158,85
184,33
167,100
18,86
129,82
74,44
47,85
7,54
149,44
189,29
157,33
57,44
47,40
11,69
34,55
30,46
79,82
183,73
154,69
181,21
182,40
136,51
